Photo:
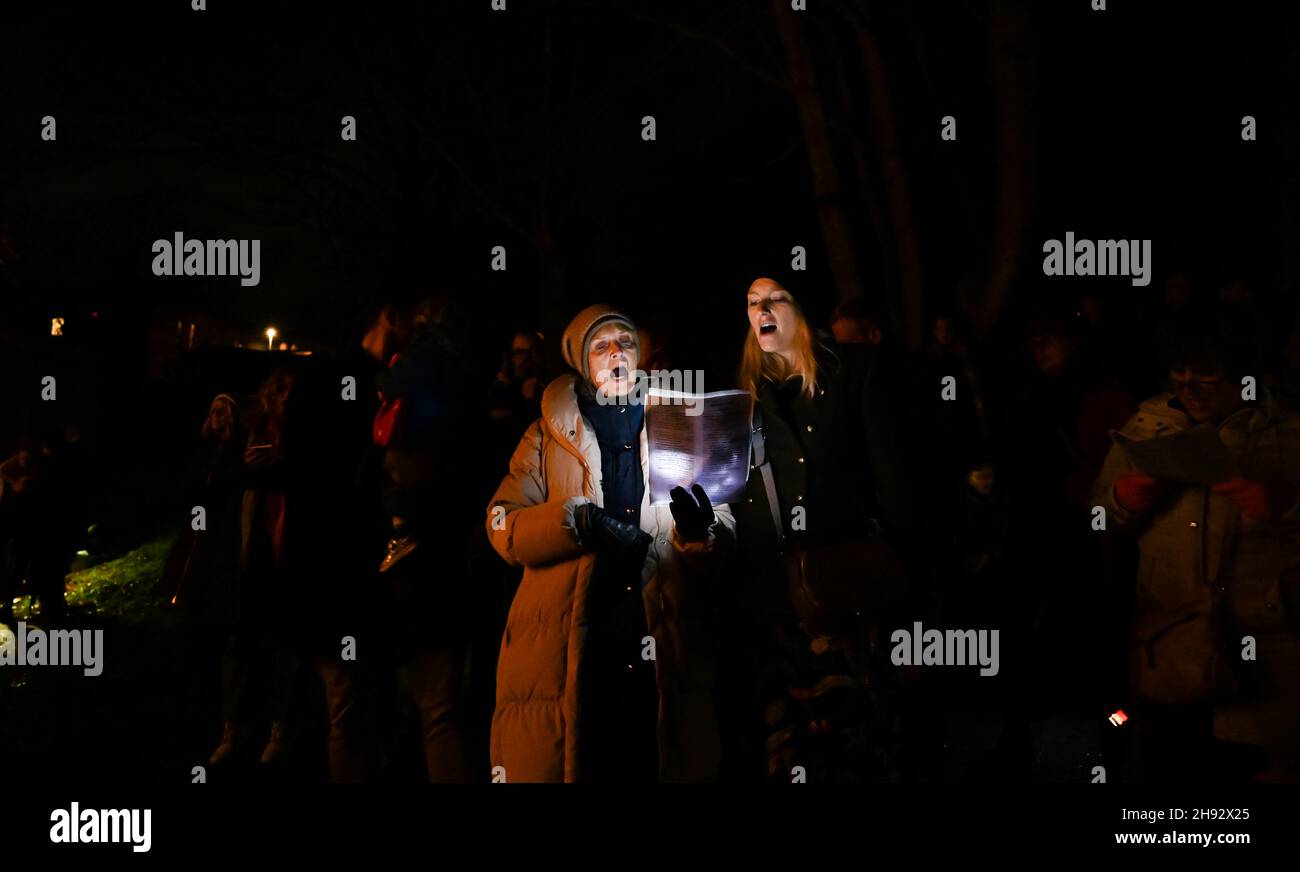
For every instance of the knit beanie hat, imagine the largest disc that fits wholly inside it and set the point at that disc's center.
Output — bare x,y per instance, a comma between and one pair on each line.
573,344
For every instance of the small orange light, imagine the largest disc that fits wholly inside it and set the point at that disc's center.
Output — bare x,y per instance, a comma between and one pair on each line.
1118,718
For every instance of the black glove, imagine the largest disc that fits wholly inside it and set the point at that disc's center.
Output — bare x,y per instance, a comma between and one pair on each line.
599,529
692,514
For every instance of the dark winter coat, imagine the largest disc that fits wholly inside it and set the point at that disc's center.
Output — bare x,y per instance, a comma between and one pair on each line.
207,561
840,455
426,458
327,559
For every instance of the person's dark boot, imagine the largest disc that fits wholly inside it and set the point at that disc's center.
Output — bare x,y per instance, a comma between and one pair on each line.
277,745
233,741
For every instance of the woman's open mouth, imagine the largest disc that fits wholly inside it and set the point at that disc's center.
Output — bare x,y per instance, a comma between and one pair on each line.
619,372
766,329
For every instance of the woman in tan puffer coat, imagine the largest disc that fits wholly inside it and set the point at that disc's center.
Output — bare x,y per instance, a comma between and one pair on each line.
606,668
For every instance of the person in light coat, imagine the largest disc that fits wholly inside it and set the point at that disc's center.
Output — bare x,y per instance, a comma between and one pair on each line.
1238,538
606,666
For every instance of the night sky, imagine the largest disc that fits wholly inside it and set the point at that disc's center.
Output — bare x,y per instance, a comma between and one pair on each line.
522,128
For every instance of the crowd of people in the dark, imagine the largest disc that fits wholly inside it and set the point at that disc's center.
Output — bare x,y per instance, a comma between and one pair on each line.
44,504
973,484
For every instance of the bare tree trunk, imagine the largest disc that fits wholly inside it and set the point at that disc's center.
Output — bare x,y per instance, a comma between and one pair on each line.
821,157
907,308
1012,62
886,291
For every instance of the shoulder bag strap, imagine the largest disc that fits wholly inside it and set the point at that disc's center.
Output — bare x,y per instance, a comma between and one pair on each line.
761,462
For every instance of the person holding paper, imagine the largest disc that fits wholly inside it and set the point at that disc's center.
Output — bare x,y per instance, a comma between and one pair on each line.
606,668
1218,534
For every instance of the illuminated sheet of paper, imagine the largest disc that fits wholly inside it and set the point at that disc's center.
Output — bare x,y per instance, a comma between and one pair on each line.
1193,456
698,439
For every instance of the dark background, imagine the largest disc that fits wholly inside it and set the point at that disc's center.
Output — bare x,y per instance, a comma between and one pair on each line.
478,128
523,129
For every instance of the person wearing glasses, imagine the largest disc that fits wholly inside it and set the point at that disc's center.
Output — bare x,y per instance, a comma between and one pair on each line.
1214,652
517,394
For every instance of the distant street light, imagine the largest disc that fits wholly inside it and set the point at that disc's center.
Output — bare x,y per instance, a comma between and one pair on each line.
56,326
271,333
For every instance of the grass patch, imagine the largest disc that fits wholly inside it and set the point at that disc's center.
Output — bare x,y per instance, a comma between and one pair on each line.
125,588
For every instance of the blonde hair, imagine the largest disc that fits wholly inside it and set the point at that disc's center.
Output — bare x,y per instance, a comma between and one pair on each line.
757,365
232,407
269,405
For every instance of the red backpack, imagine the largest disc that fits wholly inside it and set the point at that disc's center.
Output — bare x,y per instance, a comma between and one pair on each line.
390,417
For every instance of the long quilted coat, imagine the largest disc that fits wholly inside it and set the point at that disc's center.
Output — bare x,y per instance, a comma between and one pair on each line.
535,734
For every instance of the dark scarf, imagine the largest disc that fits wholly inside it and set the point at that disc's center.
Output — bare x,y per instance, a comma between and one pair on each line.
618,433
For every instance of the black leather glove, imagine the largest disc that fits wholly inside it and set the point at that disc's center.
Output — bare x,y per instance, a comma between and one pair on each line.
692,514
599,529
